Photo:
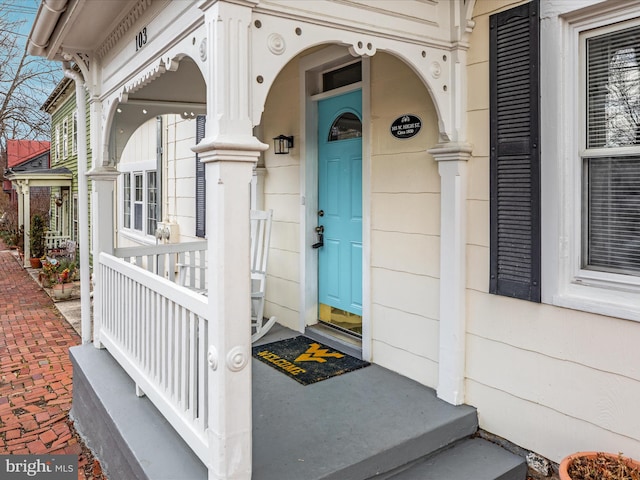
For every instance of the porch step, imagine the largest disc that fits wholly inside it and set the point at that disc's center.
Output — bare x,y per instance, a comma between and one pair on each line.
473,458
128,435
364,424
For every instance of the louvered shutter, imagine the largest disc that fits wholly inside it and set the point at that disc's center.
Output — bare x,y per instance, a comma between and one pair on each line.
201,186
515,157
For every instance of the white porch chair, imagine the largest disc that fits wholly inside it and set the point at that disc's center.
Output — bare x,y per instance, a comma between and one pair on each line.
260,240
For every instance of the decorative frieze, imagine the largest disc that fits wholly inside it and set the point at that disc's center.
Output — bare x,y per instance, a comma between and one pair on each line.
123,27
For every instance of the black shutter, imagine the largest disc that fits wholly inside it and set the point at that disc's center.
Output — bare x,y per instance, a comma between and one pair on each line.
201,186
515,154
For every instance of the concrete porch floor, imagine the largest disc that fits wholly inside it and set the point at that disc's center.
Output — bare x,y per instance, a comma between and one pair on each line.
363,424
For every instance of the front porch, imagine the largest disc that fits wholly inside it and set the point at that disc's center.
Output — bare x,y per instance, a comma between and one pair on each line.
363,424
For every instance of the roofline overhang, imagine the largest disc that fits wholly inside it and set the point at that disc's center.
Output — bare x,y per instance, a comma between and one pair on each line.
37,179
58,91
46,20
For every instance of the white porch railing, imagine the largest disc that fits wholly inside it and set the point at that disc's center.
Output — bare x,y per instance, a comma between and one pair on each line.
166,261
55,240
157,331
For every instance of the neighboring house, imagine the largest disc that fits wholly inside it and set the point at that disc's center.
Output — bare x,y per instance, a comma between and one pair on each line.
24,156
61,106
32,177
488,200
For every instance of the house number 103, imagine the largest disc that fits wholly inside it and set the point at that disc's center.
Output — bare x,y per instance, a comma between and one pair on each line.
141,39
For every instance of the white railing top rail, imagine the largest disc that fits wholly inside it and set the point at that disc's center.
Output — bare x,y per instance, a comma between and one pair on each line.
165,259
182,296
160,249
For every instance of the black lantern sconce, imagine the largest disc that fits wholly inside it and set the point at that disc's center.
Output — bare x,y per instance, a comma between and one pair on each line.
282,144
58,201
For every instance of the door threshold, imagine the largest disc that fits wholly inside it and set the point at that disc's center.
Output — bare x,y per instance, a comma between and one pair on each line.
334,338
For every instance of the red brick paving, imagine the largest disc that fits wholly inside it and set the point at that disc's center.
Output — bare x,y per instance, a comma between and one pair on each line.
35,371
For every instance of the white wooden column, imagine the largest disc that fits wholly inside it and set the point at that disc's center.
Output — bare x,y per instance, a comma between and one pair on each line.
18,188
103,227
229,152
452,166
26,218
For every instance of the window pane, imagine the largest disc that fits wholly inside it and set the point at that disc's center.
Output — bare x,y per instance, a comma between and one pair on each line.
613,214
75,218
126,193
346,126
152,202
137,216
75,132
613,89
341,77
138,180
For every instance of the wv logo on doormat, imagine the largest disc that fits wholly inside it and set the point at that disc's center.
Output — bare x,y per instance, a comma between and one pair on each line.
317,354
306,360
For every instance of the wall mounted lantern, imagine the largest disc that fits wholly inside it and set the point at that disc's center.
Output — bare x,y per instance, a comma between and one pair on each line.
58,201
282,144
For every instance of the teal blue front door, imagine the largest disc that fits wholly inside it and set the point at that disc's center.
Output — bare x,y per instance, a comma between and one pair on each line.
340,202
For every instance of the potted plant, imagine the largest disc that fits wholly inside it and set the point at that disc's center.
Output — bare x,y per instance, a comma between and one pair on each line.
65,272
49,273
36,240
599,465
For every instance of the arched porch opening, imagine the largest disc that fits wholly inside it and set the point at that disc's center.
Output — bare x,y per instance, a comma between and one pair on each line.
400,204
181,91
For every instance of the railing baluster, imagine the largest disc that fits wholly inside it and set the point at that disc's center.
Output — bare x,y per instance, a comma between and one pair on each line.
191,382
184,353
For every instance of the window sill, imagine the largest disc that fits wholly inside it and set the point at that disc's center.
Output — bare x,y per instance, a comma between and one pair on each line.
602,301
138,237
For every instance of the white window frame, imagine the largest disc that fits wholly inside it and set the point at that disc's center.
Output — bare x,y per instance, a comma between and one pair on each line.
74,133
65,138
565,283
133,169
57,145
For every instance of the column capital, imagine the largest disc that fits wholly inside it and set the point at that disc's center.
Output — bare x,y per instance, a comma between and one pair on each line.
206,4
451,151
103,173
230,148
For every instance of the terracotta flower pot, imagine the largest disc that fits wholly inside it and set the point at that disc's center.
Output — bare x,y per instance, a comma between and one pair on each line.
566,462
45,281
35,262
62,291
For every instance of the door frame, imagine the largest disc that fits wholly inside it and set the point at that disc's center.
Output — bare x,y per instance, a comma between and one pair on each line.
310,70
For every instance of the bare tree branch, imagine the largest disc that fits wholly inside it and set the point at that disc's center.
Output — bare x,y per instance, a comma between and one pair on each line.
25,83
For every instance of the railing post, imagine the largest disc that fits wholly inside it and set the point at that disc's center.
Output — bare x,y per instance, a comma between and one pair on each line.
103,178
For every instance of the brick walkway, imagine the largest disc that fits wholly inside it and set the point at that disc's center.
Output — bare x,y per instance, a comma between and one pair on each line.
35,371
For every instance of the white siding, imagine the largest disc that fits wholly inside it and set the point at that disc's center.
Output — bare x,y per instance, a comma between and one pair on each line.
549,379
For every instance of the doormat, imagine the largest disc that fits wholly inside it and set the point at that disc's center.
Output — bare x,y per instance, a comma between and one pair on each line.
305,360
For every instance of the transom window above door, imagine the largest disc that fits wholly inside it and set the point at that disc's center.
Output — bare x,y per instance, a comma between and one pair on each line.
342,76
